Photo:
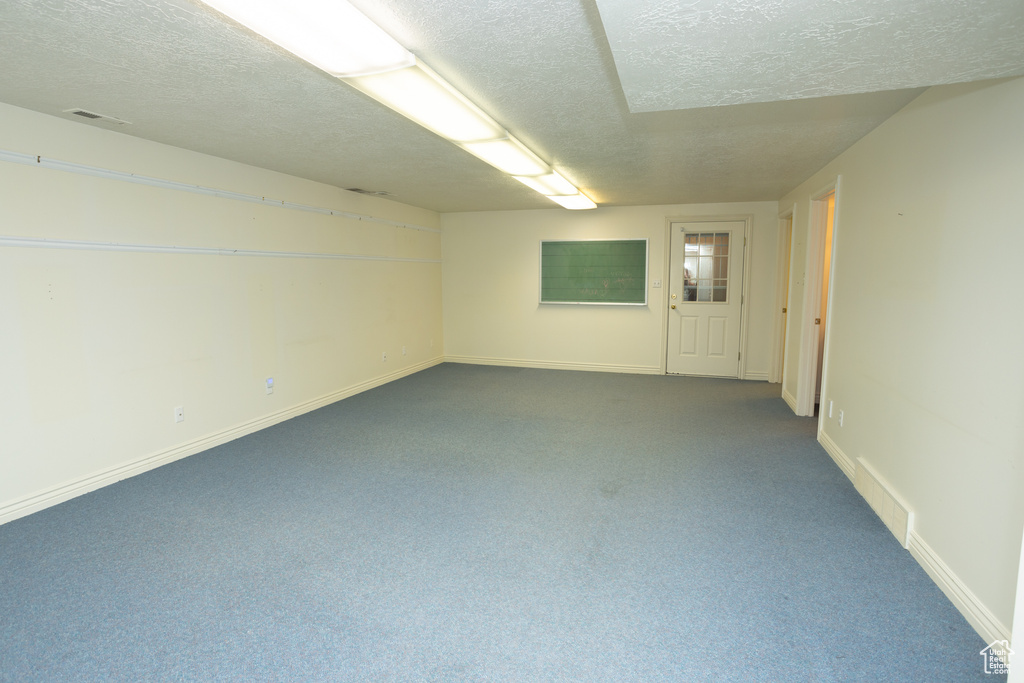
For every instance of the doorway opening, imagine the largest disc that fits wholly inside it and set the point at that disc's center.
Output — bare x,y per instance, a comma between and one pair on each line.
822,312
811,374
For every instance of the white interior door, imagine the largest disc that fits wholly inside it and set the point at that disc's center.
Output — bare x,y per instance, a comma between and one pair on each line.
705,288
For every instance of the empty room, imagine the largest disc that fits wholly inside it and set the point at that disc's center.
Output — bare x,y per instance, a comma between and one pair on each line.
579,340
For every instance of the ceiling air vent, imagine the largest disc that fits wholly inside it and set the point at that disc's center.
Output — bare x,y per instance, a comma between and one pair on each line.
86,114
374,193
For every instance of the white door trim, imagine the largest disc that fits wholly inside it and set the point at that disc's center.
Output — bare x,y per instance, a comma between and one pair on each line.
783,261
666,269
837,188
748,243
815,269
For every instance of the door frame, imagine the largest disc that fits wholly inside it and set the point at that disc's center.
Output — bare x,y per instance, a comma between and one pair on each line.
748,243
815,270
780,320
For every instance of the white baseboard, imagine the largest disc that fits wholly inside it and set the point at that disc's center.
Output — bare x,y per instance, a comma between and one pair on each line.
981,618
977,615
790,400
555,365
58,494
848,467
967,603
756,376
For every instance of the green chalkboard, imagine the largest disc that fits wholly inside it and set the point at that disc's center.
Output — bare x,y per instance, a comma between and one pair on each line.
593,272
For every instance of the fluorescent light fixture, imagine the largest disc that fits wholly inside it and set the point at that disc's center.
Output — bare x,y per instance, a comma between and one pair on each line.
549,184
508,155
575,202
330,34
423,96
336,37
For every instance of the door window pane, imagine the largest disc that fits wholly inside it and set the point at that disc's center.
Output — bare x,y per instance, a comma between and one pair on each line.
706,267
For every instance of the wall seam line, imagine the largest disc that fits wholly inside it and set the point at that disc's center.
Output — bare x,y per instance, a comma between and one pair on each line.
98,172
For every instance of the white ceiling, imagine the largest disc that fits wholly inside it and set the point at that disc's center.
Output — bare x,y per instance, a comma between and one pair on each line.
710,53
545,69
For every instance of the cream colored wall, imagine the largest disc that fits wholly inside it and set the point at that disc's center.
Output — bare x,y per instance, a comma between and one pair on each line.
100,346
925,330
491,264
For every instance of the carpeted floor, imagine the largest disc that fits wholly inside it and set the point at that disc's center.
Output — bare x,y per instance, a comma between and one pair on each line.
486,524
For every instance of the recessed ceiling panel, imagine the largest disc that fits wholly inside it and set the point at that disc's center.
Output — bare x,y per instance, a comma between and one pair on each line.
673,54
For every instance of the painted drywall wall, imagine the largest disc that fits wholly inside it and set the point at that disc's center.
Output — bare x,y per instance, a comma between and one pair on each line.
925,330
491,276
101,344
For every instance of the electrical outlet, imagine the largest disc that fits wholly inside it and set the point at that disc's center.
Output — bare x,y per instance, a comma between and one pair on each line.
384,356
403,350
179,414
656,284
270,385
840,418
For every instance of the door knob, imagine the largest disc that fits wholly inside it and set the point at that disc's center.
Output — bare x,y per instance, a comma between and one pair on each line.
673,307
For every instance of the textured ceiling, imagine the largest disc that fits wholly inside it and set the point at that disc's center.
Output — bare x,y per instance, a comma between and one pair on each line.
710,53
543,68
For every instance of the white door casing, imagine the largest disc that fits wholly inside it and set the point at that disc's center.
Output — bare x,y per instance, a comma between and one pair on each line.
705,298
814,274
781,316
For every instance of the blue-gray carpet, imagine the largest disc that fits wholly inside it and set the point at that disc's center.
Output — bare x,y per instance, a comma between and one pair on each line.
485,524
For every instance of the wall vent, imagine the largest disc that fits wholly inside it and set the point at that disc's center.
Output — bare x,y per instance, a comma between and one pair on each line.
86,114
896,514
